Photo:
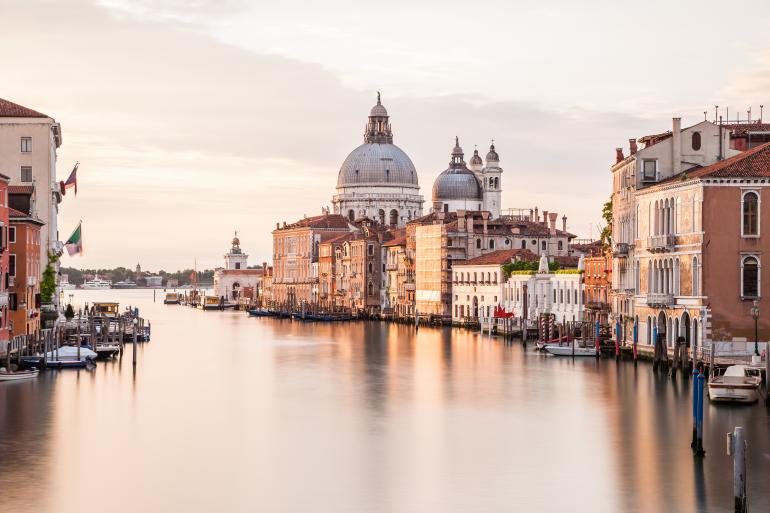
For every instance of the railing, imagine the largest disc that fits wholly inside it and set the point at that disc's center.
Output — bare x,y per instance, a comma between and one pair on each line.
660,299
660,243
621,249
597,305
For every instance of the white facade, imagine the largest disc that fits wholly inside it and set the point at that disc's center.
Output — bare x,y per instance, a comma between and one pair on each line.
235,277
557,293
476,291
235,258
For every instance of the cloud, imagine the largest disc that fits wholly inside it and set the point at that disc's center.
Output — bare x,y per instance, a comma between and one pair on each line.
183,139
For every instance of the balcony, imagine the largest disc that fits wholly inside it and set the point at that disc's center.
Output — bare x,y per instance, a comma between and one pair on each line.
597,305
656,299
621,249
660,243
408,286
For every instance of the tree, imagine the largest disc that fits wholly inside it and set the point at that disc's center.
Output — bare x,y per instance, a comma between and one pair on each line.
48,283
69,312
606,235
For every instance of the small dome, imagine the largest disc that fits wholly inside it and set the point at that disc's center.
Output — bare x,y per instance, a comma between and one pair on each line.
492,156
379,109
456,183
475,159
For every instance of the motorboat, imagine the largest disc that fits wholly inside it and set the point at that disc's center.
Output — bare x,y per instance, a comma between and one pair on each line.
125,284
107,349
570,350
6,375
738,384
96,284
257,312
67,356
106,309
211,303
172,298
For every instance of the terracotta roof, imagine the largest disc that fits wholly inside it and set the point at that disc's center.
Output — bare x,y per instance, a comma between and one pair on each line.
745,128
566,261
322,221
338,239
398,241
257,272
21,189
754,163
14,110
532,228
499,257
16,213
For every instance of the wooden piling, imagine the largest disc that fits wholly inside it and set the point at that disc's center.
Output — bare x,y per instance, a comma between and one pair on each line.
736,447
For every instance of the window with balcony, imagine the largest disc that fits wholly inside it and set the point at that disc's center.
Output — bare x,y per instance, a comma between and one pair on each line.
750,209
750,277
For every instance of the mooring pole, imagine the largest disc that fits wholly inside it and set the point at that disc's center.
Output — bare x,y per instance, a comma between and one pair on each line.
136,328
736,447
694,409
598,334
699,416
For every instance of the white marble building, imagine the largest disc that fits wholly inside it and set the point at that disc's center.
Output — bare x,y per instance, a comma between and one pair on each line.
234,280
378,179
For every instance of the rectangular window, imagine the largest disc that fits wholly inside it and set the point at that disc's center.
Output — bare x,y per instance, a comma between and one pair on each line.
11,234
13,301
12,265
26,145
26,174
649,170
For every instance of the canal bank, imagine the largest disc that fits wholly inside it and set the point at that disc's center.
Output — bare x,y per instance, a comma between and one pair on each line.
230,413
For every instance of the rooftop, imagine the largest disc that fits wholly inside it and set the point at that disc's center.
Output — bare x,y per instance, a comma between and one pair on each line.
9,109
499,257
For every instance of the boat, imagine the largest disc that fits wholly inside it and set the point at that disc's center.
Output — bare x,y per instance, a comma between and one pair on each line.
570,350
125,284
67,286
172,298
210,303
96,284
107,349
67,357
5,375
108,309
256,312
738,384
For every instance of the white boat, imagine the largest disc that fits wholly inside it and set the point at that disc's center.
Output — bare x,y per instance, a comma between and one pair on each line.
570,351
125,284
96,284
67,286
738,384
69,354
15,376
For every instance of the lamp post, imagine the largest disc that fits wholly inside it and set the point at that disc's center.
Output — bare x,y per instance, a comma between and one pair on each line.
755,315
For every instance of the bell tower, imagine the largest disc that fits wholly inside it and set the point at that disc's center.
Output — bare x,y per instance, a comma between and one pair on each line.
236,259
491,180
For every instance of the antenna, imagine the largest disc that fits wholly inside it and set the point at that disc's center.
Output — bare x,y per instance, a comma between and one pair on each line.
761,107
704,116
716,113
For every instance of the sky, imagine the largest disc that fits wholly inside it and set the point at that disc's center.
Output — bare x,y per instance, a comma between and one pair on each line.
193,119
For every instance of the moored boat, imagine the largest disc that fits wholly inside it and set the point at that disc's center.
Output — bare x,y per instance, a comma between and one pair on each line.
210,303
738,384
67,357
172,298
96,284
570,350
6,375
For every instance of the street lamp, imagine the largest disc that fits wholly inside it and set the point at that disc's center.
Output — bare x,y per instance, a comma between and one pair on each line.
755,315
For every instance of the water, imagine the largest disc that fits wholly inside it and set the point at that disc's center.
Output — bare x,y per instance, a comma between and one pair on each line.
236,414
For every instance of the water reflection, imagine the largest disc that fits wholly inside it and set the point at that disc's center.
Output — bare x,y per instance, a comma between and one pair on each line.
227,413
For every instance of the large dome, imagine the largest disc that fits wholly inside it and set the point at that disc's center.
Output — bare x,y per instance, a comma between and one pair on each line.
456,184
377,163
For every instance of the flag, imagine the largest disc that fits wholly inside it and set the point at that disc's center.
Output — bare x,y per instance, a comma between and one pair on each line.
72,181
74,244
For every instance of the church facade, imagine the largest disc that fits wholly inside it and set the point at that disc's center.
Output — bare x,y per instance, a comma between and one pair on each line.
235,281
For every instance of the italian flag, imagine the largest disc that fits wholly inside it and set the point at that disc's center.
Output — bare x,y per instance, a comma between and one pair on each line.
74,244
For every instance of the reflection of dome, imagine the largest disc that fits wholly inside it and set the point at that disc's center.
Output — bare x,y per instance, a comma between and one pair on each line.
377,163
457,182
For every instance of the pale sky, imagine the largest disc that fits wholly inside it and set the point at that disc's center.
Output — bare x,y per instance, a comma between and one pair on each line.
192,119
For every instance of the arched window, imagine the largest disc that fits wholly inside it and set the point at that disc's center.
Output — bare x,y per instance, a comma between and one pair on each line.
561,245
542,245
750,278
381,215
393,218
370,267
695,276
371,288
696,141
351,215
478,243
523,244
750,214
491,244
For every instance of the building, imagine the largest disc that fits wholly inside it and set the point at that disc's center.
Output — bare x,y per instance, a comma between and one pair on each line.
295,256
476,188
597,280
235,281
528,294
330,271
28,144
378,180
361,270
477,284
153,280
395,269
5,333
24,241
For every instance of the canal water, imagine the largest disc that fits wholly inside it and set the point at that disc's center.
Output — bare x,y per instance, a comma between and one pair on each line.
236,414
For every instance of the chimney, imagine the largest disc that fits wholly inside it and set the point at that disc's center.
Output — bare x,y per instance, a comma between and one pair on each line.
632,144
545,218
618,155
553,217
564,223
676,146
537,216
530,215
277,226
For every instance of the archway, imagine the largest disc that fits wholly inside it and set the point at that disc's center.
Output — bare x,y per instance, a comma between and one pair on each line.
381,215
475,307
686,328
661,325
393,218
236,292
351,215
